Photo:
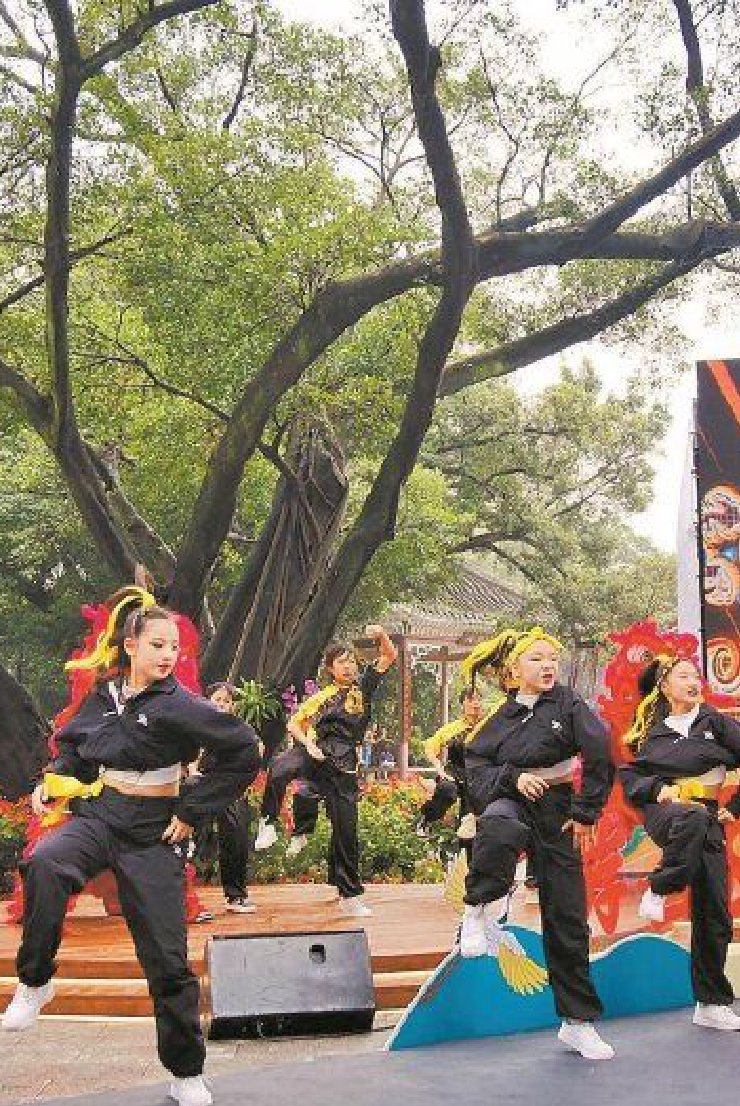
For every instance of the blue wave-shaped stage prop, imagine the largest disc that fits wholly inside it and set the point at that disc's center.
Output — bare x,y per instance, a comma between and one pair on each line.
463,999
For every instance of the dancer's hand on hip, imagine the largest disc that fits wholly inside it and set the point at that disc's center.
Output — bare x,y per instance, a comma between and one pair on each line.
39,800
176,831
532,787
583,836
725,816
669,794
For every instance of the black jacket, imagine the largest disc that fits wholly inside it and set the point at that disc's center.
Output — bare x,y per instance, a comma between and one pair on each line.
162,725
341,722
666,756
518,739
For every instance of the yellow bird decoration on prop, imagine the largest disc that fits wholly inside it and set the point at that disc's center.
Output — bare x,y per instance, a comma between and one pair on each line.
521,973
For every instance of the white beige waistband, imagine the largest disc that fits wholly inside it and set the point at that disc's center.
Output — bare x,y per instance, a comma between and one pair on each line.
556,771
153,778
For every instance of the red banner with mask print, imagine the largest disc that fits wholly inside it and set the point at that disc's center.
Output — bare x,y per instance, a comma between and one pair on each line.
718,485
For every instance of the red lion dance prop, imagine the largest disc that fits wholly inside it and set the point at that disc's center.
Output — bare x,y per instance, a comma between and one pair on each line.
81,681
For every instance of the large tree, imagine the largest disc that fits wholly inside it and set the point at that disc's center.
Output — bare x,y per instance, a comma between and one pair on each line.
239,220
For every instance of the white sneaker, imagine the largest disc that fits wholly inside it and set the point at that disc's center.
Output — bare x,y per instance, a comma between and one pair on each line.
297,845
715,1017
472,933
466,829
354,907
240,906
190,1091
652,906
266,837
26,1005
583,1038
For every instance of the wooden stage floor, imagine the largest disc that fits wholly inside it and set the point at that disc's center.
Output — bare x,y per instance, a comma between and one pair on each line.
412,928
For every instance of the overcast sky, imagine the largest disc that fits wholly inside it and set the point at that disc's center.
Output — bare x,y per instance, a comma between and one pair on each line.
706,338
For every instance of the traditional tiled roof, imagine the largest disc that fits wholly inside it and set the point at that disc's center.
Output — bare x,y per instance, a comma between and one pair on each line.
472,603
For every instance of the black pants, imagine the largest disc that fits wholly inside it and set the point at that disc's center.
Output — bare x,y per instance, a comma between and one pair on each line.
508,827
444,796
305,810
284,768
340,793
233,848
122,833
694,856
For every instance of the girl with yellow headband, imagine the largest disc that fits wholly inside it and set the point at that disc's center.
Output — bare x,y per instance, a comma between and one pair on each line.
683,749
119,764
520,765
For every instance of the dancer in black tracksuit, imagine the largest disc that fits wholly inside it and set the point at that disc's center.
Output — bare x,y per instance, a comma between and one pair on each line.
520,768
682,750
327,730
450,784
232,824
126,746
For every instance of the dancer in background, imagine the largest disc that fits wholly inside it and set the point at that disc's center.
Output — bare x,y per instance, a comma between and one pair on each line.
446,751
119,765
520,767
232,824
682,750
327,730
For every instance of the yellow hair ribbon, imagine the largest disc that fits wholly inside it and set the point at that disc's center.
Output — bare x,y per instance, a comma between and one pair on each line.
521,641
65,788
481,653
104,654
434,745
644,711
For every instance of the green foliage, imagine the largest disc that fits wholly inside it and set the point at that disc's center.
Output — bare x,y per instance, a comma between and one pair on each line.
547,481
390,851
256,703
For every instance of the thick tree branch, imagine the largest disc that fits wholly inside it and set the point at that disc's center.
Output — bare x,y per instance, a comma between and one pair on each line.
26,396
612,217
344,303
509,356
132,35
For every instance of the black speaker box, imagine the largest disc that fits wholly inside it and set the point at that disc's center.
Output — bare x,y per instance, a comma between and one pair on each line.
281,984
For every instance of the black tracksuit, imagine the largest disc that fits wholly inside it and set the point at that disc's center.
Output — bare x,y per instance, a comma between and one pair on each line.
340,724
161,726
691,837
232,834
519,739
447,791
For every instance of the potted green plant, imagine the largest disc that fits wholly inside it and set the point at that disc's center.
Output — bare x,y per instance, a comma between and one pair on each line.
256,703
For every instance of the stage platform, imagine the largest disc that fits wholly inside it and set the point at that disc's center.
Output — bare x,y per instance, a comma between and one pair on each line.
411,930
661,1060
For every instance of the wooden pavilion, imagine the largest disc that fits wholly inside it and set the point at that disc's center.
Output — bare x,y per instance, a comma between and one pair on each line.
437,633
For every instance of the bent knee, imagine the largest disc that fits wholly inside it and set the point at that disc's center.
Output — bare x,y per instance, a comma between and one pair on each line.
499,829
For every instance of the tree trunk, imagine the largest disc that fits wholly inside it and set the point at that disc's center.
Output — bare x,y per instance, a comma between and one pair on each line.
280,576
